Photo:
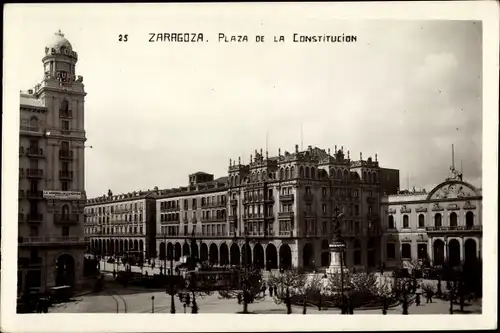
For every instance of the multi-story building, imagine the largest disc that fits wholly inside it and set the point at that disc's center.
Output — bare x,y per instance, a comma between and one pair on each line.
284,204
444,224
51,174
122,224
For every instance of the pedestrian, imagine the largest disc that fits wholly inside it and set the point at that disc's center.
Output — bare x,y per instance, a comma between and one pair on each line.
45,305
417,300
275,290
264,290
271,290
114,273
39,306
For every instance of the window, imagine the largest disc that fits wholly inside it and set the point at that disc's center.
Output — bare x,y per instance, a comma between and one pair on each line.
356,227
406,222
33,231
453,219
65,125
185,230
370,209
422,251
421,221
406,251
357,257
356,210
325,227
324,209
323,191
437,220
308,190
65,231
370,193
469,219
356,193
391,251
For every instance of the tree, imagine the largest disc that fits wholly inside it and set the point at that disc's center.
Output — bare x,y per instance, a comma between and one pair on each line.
286,282
358,288
248,288
198,285
308,287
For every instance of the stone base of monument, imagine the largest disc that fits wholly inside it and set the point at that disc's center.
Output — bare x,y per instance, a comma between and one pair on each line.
336,249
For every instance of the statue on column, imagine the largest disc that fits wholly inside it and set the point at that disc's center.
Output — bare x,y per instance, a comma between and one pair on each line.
336,225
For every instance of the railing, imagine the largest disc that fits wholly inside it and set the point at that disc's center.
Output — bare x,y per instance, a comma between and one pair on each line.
285,233
213,219
308,197
309,214
34,152
35,173
454,228
30,129
66,114
371,199
52,240
286,197
34,194
35,218
65,174
170,209
234,202
66,218
285,215
66,154
269,199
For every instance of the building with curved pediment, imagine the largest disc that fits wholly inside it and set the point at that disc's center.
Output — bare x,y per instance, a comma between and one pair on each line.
442,225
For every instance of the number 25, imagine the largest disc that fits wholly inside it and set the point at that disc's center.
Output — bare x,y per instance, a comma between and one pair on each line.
122,38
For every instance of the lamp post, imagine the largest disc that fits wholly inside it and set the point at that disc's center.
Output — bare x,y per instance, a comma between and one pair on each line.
152,304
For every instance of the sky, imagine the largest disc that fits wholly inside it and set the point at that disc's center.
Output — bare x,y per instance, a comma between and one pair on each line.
156,112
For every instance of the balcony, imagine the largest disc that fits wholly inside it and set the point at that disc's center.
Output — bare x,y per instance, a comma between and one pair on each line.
286,233
66,114
371,199
64,174
286,197
50,241
234,202
286,215
35,218
213,219
269,199
21,194
35,152
309,214
372,216
66,155
458,228
30,130
308,197
66,218
20,217
34,173
34,195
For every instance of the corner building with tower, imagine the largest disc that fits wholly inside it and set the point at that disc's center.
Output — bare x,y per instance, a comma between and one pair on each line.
51,242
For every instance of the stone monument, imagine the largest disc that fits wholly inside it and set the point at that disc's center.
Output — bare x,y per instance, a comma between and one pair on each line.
337,246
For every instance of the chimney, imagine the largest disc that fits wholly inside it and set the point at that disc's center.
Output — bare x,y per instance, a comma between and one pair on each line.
296,148
361,156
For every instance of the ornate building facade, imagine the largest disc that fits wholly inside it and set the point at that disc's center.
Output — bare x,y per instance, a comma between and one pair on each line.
51,173
124,223
283,204
444,224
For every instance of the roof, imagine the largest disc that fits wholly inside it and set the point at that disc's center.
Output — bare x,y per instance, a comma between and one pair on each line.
29,100
58,40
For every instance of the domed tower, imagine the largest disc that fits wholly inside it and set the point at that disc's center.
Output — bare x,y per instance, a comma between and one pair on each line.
52,143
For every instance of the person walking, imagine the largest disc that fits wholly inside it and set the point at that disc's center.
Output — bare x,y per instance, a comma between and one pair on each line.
417,300
114,273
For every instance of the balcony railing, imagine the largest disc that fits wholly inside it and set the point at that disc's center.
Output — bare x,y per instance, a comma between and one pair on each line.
34,152
286,197
35,218
66,114
37,241
66,218
285,233
308,197
35,173
285,215
269,199
309,214
371,199
213,219
454,228
66,154
32,129
170,209
34,194
234,202
65,174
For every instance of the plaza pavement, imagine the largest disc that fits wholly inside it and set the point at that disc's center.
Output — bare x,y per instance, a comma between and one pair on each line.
138,300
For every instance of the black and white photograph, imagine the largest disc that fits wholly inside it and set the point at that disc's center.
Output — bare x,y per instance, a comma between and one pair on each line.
218,160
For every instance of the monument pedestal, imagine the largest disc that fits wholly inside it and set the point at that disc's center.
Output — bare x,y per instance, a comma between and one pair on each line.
336,249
